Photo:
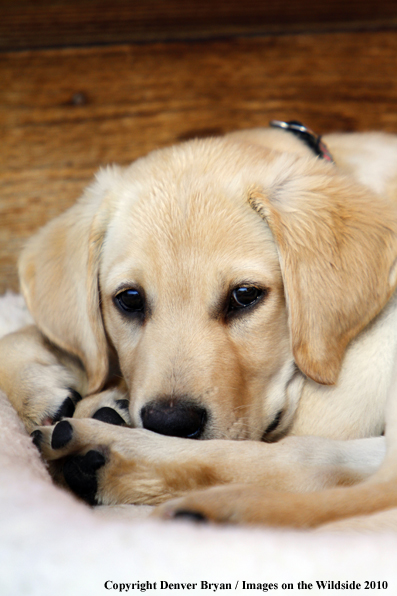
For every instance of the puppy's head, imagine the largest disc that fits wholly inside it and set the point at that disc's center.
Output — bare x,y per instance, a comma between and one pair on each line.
211,270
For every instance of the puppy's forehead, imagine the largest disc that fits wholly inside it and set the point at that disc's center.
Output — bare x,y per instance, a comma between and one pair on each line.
177,208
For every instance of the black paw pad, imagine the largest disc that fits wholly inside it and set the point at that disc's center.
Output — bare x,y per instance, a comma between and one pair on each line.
37,437
61,434
194,516
80,475
109,416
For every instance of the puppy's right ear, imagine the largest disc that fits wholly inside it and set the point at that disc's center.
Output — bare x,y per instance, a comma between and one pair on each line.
58,272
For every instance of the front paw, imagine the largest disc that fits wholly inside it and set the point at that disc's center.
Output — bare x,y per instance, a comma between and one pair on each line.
80,474
51,407
103,463
46,394
66,409
110,406
64,449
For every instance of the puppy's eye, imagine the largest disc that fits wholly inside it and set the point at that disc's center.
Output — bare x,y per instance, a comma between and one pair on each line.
131,301
244,296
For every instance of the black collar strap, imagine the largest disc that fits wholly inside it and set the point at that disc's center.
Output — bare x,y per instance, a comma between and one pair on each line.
306,135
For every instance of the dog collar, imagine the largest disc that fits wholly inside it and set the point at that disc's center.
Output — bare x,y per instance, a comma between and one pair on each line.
306,135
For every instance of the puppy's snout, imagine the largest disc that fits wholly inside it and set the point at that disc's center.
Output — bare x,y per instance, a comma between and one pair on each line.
177,417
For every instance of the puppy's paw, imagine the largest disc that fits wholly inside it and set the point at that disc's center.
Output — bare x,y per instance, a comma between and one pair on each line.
209,505
110,406
254,505
80,474
232,504
71,461
47,394
66,409
103,461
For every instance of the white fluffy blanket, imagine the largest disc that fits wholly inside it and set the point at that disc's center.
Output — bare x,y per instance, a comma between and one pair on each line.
50,544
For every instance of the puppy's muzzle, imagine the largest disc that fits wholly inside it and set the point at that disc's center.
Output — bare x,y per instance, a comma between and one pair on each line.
174,416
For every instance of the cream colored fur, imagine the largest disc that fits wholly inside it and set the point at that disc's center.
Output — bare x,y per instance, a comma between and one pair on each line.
51,544
187,224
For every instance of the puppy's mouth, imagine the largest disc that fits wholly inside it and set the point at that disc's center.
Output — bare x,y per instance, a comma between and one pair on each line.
267,435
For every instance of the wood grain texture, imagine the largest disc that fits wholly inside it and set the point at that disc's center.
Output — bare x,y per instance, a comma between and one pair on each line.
63,113
53,23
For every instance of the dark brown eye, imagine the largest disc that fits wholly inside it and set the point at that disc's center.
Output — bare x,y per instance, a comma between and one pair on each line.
244,296
130,301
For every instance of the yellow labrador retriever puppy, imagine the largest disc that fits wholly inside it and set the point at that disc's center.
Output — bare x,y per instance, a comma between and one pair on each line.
238,291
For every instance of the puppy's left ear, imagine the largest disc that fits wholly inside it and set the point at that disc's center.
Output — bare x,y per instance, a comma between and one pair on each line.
337,245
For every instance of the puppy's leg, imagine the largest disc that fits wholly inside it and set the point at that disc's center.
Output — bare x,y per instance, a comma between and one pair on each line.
42,383
256,505
385,520
113,465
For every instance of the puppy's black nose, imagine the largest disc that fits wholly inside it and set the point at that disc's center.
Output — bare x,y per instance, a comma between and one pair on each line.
177,417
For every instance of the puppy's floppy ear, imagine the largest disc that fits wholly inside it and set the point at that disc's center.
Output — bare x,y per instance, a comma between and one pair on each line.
59,278
337,244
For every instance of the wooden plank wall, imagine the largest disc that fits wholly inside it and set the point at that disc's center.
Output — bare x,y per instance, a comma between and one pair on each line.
40,23
66,111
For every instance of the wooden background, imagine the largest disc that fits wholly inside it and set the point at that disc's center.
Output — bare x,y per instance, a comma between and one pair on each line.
40,23
64,111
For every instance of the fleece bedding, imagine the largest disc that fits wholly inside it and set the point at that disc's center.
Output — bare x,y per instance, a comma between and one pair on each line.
52,544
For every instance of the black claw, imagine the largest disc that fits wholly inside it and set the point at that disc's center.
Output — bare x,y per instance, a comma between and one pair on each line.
61,434
80,475
189,515
109,416
37,437
65,411
68,406
124,404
